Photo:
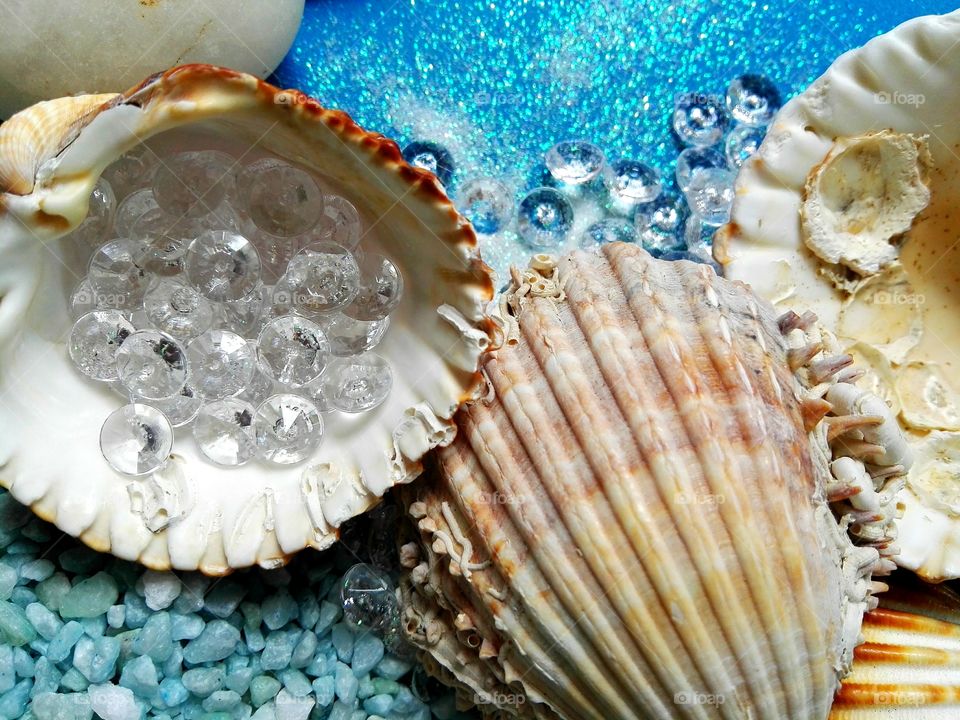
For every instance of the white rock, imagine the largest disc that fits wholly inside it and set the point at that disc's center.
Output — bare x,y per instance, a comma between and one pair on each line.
290,707
160,589
51,49
112,702
264,712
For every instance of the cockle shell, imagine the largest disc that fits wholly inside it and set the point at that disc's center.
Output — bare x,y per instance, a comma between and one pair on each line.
193,514
634,521
884,281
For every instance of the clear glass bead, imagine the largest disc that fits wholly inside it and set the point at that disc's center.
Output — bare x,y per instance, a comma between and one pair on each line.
487,203
695,159
134,206
289,428
710,195
178,309
316,390
180,409
359,383
607,231
136,439
630,182
222,266
221,364
97,226
322,277
348,336
660,224
340,223
132,171
193,183
544,218
292,350
380,291
699,119
368,598
276,301
225,433
431,157
118,273
753,100
240,316
94,341
741,143
260,387
575,162
152,364
281,199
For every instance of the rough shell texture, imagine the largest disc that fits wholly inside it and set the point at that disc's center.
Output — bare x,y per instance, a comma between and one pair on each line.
906,668
903,323
634,522
193,514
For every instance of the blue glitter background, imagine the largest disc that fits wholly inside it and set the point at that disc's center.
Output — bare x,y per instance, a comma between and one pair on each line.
498,83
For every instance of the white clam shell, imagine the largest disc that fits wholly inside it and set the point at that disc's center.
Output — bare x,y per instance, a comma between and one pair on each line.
194,515
905,320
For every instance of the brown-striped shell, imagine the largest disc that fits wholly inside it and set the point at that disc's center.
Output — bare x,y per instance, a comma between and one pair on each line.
634,523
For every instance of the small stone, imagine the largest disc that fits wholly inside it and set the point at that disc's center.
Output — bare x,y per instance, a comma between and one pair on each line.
116,615
194,588
23,662
392,667
62,643
90,598
216,642
304,651
160,589
155,639
341,711
343,640
295,682
264,688
185,627
172,692
239,679
37,570
44,621
221,701
13,703
8,675
254,640
279,609
345,683
8,581
74,681
140,675
324,689
279,649
203,681
329,614
289,707
46,677
252,614
112,702
378,704
96,659
56,706
367,653
224,598
135,609
15,628
51,591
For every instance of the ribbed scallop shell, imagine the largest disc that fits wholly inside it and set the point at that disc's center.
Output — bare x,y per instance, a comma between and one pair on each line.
633,523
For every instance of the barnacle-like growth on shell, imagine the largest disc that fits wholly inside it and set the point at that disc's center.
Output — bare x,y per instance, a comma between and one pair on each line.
863,196
638,514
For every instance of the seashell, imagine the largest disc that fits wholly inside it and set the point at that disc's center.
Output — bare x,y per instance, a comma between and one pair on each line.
194,515
634,521
877,267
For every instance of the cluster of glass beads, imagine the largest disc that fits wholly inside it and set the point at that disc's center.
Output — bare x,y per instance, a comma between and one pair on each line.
231,298
585,198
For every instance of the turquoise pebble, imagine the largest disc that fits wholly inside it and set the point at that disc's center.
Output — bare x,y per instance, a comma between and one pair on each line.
172,692
329,614
345,683
323,688
64,640
383,686
8,676
308,609
255,639
90,598
279,609
13,515
185,627
223,598
80,560
289,707
173,667
8,581
22,596
24,665
54,706
295,682
217,641
52,591
279,649
264,688
193,588
140,675
341,711
343,639
405,702
203,681
252,615
15,628
392,667
45,622
239,680
378,704
94,626
155,637
135,609
74,680
115,616
216,716
46,676
365,688
160,589
221,701
37,570
367,653
96,659
13,703
304,651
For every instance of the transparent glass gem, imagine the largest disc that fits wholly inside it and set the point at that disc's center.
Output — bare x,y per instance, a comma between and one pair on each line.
193,183
289,428
368,598
95,340
222,266
260,387
487,203
348,336
575,162
660,224
221,364
241,316
292,350
178,309
118,272
97,226
607,231
322,277
630,182
380,291
359,383
742,142
136,439
225,432
710,195
180,409
699,119
694,159
340,222
281,199
753,100
134,206
132,171
544,218
431,157
152,364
